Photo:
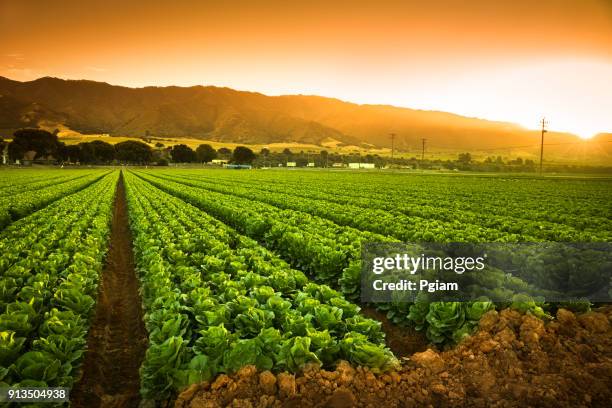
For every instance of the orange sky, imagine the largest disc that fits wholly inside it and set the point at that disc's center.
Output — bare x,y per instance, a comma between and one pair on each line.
505,60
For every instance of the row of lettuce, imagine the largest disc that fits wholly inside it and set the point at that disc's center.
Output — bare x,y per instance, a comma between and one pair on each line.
398,218
331,254
50,265
19,200
216,301
515,204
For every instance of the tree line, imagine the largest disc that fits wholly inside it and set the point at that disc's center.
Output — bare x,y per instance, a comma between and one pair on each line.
41,145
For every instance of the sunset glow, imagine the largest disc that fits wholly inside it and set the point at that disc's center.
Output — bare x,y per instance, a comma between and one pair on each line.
513,62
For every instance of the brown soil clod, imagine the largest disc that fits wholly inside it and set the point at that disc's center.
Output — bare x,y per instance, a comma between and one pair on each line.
117,338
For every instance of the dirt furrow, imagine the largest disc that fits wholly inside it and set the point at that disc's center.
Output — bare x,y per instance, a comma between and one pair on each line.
117,338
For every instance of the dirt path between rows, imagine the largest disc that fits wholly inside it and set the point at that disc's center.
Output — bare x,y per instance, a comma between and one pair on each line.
117,338
403,341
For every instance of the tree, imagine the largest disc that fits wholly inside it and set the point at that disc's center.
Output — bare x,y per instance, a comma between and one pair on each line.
159,145
38,140
205,153
2,144
69,153
182,153
132,151
97,152
243,155
324,157
465,158
265,152
224,152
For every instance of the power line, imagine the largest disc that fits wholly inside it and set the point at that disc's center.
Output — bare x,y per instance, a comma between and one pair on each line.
544,123
572,143
535,145
454,149
423,149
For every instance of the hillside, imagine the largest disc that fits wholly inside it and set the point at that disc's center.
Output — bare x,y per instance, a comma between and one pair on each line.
227,115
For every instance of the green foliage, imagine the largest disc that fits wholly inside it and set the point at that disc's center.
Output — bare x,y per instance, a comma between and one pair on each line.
160,373
10,347
182,153
241,304
295,354
38,140
132,151
526,304
444,318
243,155
205,153
357,349
47,291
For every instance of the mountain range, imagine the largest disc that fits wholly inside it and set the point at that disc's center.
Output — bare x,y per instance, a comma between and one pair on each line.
227,115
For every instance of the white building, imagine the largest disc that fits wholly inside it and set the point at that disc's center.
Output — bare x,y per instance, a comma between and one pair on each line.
361,166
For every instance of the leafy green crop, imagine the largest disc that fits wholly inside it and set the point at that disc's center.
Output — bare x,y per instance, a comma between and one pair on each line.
49,280
232,302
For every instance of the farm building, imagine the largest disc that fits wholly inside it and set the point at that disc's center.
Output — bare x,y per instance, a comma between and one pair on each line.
361,166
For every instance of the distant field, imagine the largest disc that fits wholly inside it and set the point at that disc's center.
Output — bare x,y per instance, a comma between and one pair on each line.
560,155
74,138
585,154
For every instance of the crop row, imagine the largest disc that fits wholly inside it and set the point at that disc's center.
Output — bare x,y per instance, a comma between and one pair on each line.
10,186
327,252
16,206
381,221
216,301
423,212
11,178
49,267
581,204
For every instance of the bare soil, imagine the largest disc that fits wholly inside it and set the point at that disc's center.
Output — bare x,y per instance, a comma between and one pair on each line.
403,341
512,361
117,338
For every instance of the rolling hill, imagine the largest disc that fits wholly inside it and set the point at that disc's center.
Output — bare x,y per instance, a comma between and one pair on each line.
227,115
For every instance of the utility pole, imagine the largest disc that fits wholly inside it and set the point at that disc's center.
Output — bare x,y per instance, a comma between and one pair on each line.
392,143
423,149
544,123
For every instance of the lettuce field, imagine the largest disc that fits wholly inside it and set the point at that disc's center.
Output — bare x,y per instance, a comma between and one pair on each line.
206,288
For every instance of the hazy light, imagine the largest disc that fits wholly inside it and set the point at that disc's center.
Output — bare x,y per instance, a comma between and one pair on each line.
511,61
